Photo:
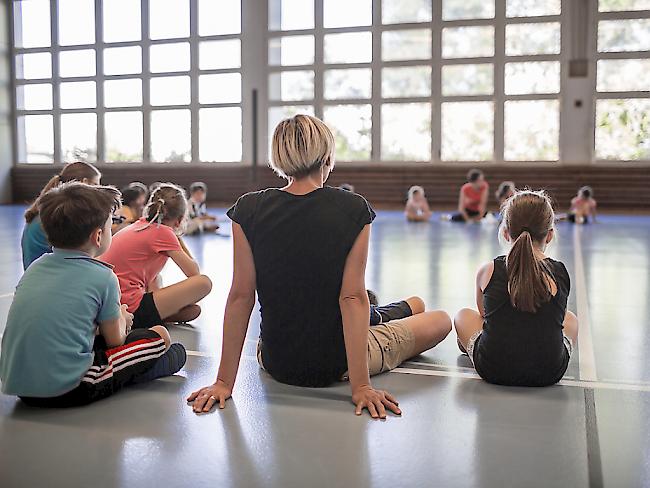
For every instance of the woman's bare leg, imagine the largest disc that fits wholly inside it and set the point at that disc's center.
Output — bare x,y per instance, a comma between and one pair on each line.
467,322
173,298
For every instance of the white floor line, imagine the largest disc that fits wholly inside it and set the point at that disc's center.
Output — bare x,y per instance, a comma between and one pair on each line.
587,359
464,369
7,295
572,383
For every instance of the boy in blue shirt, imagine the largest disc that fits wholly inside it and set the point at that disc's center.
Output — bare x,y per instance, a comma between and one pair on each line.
68,341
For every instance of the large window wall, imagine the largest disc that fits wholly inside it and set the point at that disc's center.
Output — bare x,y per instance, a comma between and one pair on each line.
128,80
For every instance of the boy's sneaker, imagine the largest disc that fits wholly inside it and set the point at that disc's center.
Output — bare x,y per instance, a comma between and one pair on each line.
168,364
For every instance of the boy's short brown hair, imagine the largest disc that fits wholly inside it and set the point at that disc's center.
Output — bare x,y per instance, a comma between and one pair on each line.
71,212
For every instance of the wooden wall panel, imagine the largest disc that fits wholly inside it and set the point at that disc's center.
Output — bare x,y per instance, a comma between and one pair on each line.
614,187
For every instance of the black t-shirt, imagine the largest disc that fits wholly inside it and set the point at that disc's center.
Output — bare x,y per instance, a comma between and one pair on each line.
300,244
522,348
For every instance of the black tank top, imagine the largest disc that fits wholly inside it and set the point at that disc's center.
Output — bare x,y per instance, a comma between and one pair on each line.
522,348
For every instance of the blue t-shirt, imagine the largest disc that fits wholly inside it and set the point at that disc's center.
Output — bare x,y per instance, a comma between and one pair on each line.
47,346
34,242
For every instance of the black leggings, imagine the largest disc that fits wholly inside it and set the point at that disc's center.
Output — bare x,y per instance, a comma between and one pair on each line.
459,217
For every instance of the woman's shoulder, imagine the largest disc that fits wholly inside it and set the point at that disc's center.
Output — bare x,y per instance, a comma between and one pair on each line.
353,203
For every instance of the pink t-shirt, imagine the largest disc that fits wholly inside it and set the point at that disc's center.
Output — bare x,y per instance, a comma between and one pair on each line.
138,256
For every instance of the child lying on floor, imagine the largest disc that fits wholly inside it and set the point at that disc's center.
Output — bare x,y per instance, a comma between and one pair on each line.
68,342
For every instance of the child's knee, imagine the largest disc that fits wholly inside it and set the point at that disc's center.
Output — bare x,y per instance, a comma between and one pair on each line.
417,305
205,284
463,316
164,333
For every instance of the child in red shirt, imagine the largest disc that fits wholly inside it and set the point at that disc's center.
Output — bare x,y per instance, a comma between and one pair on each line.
583,207
472,200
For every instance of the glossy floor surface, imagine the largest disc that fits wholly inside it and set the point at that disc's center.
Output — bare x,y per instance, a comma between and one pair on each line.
593,429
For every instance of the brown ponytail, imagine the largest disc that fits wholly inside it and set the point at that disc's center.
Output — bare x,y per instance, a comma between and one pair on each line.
76,171
528,217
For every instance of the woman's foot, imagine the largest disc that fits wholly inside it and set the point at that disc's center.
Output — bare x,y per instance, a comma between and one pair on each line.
185,314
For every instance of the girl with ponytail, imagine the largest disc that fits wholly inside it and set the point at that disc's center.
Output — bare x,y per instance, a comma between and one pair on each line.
34,243
139,252
522,334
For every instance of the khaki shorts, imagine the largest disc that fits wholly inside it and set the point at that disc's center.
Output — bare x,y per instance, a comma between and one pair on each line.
389,345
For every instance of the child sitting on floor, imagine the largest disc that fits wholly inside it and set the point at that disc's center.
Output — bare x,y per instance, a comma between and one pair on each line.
134,196
522,334
68,340
34,243
473,197
417,208
583,207
200,221
506,190
139,253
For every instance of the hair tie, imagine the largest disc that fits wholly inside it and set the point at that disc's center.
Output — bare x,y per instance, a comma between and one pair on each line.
526,229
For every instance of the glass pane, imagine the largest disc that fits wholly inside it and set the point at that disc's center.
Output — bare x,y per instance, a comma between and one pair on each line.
624,35
76,22
78,94
467,79
467,131
77,63
614,5
222,88
291,85
348,83
467,42
407,44
412,81
277,114
351,125
36,139
351,47
534,77
406,132
217,18
220,54
169,57
33,66
79,137
396,12
220,134
623,129
123,136
34,97
121,20
343,13
532,130
169,19
291,51
123,93
467,9
122,60
171,90
537,38
623,75
170,136
291,14
533,8
32,23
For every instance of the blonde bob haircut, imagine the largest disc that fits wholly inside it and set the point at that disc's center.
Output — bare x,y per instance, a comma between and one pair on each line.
301,146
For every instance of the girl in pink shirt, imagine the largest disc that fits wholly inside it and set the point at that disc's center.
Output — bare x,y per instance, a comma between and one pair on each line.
140,251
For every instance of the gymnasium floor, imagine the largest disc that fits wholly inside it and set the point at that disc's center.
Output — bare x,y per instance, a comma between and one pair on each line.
591,430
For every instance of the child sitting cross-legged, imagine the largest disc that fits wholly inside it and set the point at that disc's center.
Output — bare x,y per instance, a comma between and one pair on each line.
68,341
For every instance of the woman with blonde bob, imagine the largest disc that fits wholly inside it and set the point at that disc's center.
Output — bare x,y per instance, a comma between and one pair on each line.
303,249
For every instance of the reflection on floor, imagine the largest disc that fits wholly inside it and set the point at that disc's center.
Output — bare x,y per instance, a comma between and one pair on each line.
456,430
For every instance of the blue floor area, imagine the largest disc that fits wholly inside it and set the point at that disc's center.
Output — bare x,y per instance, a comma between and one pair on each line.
456,430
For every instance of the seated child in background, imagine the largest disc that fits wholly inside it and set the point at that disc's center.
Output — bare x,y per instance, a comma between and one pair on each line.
583,207
347,187
199,221
34,243
473,197
522,334
506,190
139,253
417,208
134,196
68,340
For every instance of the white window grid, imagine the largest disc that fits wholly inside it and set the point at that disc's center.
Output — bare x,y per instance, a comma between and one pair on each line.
436,62
145,76
615,95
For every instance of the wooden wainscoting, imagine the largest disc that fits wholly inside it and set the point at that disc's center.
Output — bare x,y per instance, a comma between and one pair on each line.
614,187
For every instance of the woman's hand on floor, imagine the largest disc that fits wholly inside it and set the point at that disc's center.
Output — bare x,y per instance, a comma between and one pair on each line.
376,401
204,399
